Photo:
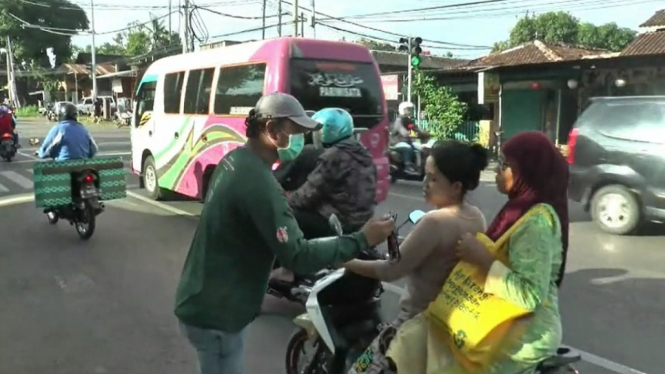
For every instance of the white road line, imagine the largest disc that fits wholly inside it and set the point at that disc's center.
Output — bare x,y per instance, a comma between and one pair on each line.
16,199
30,156
114,153
614,367
17,178
157,204
3,188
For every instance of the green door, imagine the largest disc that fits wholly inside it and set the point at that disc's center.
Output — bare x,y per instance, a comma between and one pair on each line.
522,111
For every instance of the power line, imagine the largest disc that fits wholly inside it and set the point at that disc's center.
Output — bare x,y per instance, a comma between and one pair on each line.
402,11
73,32
392,33
236,16
576,5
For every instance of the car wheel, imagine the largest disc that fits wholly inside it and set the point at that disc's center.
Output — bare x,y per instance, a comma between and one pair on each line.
616,210
150,179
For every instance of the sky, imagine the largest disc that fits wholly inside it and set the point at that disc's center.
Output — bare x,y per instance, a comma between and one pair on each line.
469,27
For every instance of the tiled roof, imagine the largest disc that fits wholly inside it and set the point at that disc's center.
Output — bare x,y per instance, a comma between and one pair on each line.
650,43
386,58
658,19
81,69
536,52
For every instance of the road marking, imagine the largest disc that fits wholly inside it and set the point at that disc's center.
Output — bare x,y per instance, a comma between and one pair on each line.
17,178
157,204
604,363
29,156
16,199
114,153
3,188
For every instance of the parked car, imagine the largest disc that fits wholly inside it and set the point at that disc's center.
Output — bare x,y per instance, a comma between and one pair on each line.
616,153
86,107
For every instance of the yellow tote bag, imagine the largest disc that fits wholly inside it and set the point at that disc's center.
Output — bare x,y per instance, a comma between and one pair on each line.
477,322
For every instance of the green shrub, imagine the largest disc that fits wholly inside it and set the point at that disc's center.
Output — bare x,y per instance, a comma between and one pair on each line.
27,111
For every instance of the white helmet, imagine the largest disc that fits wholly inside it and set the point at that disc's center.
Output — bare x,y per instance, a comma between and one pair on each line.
404,107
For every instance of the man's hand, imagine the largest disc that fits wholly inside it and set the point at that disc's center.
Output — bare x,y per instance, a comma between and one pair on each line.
377,230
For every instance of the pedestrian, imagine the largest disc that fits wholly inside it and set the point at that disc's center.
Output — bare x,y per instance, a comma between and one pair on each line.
97,109
245,224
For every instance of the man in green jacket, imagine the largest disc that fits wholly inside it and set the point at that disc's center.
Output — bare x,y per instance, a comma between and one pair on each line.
246,222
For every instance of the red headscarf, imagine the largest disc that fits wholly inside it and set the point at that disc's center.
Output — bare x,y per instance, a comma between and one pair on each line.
540,175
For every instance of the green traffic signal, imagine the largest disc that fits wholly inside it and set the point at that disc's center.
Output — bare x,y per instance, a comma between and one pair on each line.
415,61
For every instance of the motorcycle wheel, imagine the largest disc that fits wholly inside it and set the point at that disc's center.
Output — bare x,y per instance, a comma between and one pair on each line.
86,221
295,354
52,218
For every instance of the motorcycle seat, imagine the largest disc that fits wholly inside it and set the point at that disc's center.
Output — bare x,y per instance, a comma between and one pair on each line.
564,356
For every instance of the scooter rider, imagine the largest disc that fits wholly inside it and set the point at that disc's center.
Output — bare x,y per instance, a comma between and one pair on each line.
69,139
401,133
8,123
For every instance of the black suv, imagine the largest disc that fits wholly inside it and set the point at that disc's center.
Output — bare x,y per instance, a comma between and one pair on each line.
616,153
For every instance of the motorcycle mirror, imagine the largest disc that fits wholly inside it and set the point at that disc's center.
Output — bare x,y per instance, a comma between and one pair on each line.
335,224
416,216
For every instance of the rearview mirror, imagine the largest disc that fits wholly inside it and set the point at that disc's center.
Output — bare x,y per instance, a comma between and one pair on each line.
335,224
416,216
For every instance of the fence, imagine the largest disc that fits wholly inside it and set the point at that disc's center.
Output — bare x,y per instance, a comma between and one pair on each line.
468,131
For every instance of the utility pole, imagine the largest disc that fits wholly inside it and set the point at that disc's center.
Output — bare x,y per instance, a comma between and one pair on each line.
295,18
170,28
313,20
409,75
263,19
279,17
17,102
185,30
94,51
302,24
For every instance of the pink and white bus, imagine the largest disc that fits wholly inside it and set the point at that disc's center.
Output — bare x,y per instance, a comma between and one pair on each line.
190,109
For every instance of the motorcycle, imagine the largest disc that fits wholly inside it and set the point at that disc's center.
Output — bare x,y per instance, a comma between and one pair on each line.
123,119
343,315
420,153
7,147
343,318
85,206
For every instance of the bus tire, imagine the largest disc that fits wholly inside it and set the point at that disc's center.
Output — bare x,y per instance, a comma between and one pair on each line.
150,179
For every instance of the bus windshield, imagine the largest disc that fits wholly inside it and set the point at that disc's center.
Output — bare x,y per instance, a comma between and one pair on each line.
353,86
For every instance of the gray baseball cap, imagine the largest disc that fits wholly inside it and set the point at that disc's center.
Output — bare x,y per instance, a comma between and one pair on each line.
281,105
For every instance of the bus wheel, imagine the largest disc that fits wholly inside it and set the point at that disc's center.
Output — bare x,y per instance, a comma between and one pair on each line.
150,180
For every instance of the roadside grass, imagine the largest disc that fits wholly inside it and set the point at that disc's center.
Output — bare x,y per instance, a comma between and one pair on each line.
28,111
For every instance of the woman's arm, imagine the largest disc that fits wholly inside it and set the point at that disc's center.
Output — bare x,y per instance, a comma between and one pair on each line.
420,242
532,250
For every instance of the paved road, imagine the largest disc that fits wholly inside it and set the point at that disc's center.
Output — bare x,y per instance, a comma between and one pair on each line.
105,306
16,176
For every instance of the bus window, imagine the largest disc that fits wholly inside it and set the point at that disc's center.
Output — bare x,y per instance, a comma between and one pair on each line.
239,88
353,86
172,89
145,100
197,91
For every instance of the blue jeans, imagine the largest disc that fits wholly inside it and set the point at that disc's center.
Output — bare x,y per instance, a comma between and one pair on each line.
218,352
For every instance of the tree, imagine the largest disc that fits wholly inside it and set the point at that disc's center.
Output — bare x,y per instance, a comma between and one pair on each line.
377,46
562,27
140,38
445,111
32,44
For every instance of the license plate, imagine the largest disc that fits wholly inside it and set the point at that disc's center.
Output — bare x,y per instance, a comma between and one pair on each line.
89,191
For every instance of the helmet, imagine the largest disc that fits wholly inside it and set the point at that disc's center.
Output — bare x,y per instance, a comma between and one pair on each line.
68,111
337,124
403,107
4,109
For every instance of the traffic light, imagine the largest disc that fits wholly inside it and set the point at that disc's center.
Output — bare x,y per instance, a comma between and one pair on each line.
412,45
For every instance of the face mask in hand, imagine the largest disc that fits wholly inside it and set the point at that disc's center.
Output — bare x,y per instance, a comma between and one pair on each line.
291,151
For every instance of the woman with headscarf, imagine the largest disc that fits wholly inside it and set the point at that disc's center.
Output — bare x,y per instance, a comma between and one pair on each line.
533,173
